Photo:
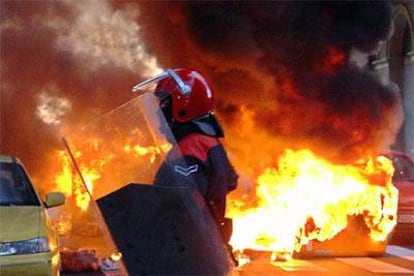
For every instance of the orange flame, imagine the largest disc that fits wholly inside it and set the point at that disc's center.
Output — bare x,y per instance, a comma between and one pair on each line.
63,179
308,198
91,169
68,182
152,151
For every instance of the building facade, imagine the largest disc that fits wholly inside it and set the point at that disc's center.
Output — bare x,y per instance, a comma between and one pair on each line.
395,63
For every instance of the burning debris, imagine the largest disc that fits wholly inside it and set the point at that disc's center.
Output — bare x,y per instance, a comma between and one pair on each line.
307,198
86,260
79,261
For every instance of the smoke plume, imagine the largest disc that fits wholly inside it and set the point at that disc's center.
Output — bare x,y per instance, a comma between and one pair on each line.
280,70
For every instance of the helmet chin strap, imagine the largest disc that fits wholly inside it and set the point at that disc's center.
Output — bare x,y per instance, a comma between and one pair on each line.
184,89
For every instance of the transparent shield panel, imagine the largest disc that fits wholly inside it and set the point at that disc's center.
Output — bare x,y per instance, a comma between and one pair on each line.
126,145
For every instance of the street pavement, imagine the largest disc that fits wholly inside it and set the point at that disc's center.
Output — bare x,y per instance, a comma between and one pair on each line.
397,260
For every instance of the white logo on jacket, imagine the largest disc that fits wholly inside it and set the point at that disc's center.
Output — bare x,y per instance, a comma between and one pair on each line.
186,171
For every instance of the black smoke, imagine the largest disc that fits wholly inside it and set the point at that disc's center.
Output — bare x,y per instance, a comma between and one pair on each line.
288,61
285,61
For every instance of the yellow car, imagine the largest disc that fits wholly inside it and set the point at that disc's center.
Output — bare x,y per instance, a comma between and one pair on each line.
28,243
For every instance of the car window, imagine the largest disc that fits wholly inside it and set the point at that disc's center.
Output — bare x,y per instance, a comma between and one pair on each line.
15,187
404,169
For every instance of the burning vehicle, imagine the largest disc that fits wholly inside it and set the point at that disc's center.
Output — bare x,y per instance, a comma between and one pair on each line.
308,207
28,241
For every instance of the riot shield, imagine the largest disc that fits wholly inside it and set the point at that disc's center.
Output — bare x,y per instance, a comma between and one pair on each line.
159,229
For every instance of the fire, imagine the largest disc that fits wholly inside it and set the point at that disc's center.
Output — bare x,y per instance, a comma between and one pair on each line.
63,179
152,151
307,198
91,168
68,182
302,198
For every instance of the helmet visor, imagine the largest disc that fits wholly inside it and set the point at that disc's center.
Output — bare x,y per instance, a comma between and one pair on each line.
150,84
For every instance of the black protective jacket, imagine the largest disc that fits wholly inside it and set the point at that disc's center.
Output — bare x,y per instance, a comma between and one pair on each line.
202,162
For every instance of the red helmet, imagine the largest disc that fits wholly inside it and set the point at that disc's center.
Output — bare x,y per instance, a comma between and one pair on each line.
191,94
